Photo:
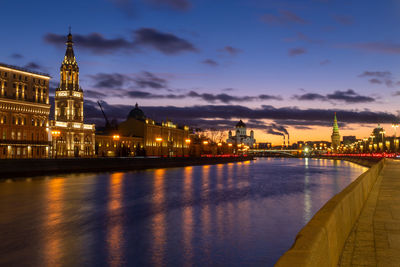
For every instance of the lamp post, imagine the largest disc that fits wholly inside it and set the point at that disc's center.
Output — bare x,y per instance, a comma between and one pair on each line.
116,139
159,141
187,141
372,137
383,141
395,125
55,134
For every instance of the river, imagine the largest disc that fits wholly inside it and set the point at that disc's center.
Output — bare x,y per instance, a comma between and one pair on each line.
236,214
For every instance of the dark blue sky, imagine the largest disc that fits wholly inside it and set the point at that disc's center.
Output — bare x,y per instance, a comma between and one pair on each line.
272,57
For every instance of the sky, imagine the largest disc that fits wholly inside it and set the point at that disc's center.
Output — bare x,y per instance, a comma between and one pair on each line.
278,65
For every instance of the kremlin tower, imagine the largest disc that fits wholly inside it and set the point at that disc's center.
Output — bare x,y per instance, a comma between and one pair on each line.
335,135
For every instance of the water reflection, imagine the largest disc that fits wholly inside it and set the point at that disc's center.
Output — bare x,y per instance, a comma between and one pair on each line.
188,217
115,233
158,221
53,204
225,215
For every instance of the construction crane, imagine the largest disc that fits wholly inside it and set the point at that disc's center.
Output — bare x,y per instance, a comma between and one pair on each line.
108,125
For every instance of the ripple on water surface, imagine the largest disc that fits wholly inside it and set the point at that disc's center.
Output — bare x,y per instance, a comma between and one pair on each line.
236,214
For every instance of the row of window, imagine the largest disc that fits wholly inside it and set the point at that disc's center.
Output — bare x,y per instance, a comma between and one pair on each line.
23,78
22,151
22,121
23,136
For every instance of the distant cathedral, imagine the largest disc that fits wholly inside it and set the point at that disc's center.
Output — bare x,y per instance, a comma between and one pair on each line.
241,136
335,135
76,138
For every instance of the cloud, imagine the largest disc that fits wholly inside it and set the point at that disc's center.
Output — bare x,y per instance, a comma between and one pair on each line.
182,5
34,66
325,62
16,56
343,19
96,43
291,115
304,38
142,80
310,97
147,95
230,50
378,74
149,80
379,77
94,94
126,6
377,47
347,96
93,42
283,18
166,43
225,98
297,51
210,62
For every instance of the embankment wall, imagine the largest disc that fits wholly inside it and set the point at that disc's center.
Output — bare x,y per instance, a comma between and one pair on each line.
321,241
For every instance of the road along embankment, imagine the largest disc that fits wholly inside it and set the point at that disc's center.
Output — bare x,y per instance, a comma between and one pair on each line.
321,241
36,167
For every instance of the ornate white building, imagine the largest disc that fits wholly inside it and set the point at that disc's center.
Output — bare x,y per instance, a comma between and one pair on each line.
241,136
73,138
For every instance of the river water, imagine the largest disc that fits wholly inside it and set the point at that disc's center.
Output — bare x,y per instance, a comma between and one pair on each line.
237,214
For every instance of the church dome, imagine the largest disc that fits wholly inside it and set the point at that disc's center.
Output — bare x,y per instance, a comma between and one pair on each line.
137,113
240,124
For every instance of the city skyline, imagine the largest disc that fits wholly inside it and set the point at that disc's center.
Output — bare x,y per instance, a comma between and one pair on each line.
299,63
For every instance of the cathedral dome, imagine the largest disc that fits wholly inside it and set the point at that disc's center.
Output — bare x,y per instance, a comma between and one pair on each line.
240,124
137,114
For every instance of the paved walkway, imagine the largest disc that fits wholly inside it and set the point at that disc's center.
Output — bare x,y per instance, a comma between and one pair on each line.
375,238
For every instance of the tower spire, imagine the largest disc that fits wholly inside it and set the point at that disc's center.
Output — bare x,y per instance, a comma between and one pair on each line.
335,135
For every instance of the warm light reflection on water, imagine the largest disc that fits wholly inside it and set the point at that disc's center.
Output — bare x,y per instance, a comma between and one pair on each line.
158,221
115,234
188,217
235,214
53,204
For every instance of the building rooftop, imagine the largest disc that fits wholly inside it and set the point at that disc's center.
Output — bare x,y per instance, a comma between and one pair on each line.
25,70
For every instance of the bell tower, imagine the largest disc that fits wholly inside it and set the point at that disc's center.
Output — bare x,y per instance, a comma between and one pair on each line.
69,96
74,138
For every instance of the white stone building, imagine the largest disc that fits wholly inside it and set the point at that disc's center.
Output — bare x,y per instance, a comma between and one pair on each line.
241,136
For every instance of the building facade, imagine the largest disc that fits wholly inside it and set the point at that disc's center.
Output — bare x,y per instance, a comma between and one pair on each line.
70,136
24,113
335,135
241,136
159,139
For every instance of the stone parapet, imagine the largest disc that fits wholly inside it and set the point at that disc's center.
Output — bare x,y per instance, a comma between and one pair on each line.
321,241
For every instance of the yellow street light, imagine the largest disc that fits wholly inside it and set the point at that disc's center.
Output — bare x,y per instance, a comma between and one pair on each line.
205,142
187,141
158,139
229,144
116,137
219,144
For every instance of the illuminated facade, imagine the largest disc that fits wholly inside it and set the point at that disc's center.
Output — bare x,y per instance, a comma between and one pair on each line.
24,113
335,135
159,139
116,145
71,137
241,136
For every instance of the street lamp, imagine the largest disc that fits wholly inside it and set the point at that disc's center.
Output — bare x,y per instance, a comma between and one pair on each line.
55,135
372,137
116,139
395,125
383,142
159,141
